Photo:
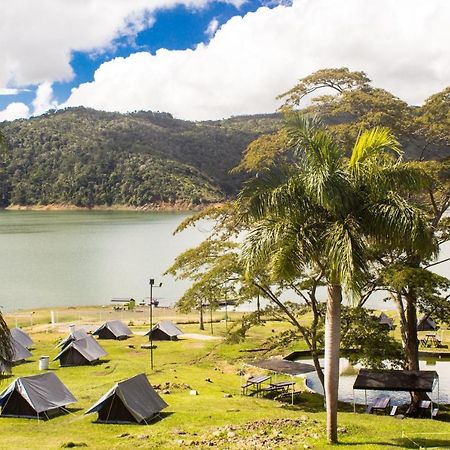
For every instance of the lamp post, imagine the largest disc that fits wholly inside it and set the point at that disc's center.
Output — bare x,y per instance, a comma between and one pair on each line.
150,318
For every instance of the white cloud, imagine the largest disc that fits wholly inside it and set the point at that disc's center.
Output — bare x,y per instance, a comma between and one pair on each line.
401,44
14,111
212,28
37,37
9,91
44,99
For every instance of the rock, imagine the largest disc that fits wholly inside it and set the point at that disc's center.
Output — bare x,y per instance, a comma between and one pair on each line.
166,391
233,410
143,436
123,435
231,434
227,396
193,392
179,442
208,380
342,430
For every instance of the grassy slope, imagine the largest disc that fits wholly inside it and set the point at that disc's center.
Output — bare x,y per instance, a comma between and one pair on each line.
192,362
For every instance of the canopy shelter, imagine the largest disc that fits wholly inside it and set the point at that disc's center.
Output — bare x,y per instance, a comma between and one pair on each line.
426,324
80,353
22,337
386,321
164,331
36,396
114,329
397,380
132,400
74,335
283,367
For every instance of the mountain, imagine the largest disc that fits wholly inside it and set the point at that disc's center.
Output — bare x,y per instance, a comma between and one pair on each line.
84,157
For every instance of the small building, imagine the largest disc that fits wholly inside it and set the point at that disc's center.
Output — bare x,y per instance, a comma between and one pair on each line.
426,324
164,331
385,320
114,329
132,400
74,335
80,353
37,396
22,337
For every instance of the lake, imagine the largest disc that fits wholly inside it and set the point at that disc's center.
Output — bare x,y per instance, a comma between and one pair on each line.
65,258
87,258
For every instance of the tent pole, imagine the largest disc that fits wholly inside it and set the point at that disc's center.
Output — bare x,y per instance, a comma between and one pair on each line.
354,404
292,379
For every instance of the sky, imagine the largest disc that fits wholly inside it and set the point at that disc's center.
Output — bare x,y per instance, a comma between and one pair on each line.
209,59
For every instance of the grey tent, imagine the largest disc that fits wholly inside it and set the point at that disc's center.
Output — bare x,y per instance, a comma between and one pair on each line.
19,354
80,353
426,324
74,335
386,320
164,331
36,396
22,337
115,329
132,400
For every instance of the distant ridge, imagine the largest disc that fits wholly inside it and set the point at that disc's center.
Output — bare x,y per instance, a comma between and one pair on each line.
86,158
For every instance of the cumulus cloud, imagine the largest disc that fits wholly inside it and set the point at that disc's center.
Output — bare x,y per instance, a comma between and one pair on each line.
13,111
37,38
401,44
44,99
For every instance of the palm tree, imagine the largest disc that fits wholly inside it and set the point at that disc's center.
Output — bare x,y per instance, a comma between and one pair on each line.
324,211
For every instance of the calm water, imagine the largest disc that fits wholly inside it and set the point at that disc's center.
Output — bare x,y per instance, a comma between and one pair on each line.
87,258
81,258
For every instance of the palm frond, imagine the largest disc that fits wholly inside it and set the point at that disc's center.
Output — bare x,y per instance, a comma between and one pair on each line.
374,144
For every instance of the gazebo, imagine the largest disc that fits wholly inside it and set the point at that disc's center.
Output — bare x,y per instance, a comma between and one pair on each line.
397,381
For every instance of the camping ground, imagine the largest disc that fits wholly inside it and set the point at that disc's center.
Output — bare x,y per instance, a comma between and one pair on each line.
212,418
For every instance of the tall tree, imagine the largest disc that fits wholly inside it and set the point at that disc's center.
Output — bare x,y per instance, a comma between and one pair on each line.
323,212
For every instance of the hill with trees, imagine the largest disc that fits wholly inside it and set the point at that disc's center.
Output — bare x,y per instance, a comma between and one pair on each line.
87,158
84,157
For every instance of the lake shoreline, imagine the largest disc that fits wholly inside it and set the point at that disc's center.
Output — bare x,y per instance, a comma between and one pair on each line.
151,207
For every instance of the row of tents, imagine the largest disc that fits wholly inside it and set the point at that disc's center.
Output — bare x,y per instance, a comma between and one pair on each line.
80,348
44,396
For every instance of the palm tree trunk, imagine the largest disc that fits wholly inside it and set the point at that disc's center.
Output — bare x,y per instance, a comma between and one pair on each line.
332,347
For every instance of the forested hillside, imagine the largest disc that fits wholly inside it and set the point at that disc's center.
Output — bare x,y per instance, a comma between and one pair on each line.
85,157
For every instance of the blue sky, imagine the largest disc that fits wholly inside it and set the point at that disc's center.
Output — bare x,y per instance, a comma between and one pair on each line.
208,59
176,28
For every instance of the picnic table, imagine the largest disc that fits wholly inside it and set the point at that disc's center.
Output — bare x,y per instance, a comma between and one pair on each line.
282,386
430,340
380,404
254,384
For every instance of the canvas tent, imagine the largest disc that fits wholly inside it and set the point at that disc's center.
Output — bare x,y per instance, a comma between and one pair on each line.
21,337
20,353
74,335
164,331
386,320
426,324
80,353
115,329
132,400
36,396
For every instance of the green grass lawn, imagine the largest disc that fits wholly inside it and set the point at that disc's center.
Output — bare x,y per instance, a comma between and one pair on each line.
212,368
